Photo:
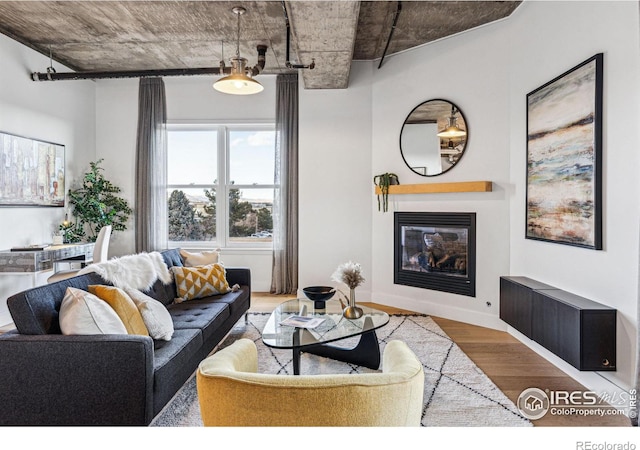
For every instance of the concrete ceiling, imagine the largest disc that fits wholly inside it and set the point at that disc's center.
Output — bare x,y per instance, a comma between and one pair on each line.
155,35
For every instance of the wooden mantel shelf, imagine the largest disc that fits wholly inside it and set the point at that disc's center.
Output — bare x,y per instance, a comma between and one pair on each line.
439,188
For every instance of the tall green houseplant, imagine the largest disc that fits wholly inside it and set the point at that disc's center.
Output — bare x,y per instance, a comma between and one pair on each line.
96,205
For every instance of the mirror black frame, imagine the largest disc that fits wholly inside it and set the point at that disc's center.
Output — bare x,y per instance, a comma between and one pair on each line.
466,141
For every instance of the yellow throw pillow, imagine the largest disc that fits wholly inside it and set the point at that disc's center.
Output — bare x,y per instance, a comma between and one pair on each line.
200,281
194,259
124,307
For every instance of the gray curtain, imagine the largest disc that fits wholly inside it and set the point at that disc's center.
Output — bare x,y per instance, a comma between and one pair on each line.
151,167
284,279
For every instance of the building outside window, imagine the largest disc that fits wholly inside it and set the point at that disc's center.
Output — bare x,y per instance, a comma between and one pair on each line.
220,185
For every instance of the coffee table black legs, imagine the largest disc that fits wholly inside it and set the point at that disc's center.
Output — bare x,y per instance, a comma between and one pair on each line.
366,353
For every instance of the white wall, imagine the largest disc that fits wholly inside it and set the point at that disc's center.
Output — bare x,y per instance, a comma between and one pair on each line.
470,71
335,181
60,112
494,67
609,276
189,99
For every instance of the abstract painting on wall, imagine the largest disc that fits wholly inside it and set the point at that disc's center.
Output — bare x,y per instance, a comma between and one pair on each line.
564,158
31,172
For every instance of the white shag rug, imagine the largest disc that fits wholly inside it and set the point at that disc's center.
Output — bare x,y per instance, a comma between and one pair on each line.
457,393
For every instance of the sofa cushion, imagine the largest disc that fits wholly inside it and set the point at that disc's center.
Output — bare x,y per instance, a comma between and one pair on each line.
237,300
173,364
123,306
184,344
200,281
83,313
192,259
200,314
154,314
172,258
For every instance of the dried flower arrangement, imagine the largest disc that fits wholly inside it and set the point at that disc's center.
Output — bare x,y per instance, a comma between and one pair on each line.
349,273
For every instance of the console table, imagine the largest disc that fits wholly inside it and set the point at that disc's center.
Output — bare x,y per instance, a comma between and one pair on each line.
31,262
578,330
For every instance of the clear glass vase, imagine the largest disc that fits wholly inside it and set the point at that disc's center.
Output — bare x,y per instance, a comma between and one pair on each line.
352,311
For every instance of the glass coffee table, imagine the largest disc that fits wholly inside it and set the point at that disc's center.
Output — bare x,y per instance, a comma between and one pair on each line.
334,327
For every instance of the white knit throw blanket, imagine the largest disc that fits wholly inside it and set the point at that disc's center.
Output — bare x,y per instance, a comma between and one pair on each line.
137,271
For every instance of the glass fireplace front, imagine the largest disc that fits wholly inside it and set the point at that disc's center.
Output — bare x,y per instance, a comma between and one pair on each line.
435,251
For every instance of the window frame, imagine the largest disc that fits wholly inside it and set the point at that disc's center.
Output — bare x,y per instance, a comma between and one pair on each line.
222,185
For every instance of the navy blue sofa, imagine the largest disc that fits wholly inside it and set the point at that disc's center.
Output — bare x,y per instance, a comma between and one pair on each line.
47,378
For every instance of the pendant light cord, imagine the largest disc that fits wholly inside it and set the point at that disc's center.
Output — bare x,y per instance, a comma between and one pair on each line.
238,41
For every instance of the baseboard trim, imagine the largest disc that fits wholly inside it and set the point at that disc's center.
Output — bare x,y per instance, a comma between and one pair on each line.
444,311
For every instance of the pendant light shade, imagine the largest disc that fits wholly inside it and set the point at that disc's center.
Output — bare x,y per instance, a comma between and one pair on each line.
452,131
238,82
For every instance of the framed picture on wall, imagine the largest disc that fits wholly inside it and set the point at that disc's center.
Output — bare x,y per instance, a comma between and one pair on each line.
564,158
31,172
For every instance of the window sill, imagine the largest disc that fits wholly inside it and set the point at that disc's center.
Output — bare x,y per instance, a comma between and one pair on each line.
199,247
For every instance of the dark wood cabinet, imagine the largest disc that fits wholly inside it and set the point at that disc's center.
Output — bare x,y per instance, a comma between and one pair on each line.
516,300
578,330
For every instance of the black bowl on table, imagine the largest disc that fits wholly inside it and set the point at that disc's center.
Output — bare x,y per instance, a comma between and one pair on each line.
319,295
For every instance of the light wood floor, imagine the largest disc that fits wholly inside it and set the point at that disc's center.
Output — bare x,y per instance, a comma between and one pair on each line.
511,365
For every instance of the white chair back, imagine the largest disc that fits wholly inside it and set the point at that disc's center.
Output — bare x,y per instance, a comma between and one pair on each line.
101,248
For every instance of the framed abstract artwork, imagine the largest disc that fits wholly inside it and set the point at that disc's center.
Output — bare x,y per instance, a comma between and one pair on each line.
31,172
564,158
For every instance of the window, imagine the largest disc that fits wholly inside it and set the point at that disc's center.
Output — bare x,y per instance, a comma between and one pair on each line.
220,185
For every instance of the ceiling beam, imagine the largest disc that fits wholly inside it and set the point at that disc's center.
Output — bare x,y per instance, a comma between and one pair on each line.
324,31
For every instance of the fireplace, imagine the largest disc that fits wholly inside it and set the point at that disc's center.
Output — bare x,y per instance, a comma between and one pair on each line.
436,251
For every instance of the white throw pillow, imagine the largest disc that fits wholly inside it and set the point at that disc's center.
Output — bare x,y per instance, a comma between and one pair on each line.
192,259
154,314
84,313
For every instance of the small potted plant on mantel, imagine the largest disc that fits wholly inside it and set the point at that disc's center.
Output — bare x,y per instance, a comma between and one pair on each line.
383,181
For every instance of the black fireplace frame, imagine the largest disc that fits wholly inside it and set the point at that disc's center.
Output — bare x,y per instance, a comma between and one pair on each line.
439,281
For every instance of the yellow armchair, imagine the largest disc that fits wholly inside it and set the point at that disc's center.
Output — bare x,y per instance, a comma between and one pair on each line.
231,393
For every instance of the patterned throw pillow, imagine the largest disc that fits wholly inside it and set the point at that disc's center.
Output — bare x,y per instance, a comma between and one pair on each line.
200,281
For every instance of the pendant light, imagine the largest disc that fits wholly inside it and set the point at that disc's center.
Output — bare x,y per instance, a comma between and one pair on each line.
452,131
238,83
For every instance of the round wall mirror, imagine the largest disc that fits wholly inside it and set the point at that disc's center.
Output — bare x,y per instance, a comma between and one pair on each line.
433,137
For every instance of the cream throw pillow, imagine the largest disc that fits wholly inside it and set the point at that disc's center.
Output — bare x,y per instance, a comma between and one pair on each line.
155,315
201,281
193,259
84,313
123,306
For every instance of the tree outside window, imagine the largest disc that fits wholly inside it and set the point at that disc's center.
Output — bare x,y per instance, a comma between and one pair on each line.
200,153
